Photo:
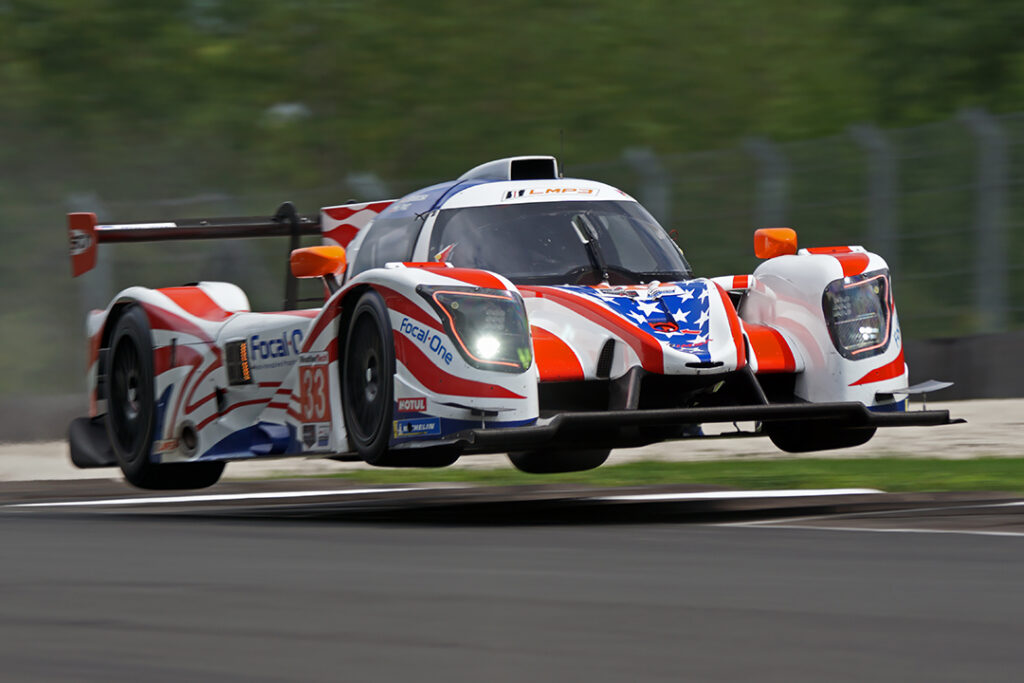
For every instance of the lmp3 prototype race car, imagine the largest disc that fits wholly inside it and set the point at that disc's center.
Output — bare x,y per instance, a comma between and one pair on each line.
509,311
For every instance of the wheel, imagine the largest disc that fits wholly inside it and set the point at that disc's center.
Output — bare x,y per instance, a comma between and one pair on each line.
367,378
367,381
550,462
131,411
802,437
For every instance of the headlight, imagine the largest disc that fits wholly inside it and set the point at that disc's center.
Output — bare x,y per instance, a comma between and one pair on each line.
858,311
488,326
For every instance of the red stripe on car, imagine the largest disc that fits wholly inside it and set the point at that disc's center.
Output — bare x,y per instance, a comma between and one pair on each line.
478,278
556,361
645,345
330,313
852,262
162,319
887,371
401,304
734,326
340,213
770,349
196,302
437,380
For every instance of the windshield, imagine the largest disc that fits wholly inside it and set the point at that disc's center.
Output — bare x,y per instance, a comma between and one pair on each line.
560,243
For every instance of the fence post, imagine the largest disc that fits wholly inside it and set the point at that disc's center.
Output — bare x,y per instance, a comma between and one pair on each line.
772,181
990,250
655,187
882,189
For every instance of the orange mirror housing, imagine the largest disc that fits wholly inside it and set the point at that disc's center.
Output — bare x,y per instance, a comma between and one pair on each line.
318,261
772,242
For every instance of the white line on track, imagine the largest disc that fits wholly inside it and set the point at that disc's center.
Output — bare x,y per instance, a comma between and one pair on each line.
794,521
730,495
879,530
209,498
800,522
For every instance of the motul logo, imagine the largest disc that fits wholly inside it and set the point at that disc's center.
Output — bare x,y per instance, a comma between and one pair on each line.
412,405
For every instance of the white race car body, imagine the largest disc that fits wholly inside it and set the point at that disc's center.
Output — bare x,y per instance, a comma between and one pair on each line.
231,384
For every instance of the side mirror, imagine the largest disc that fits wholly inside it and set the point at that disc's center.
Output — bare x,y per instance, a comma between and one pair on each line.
772,242
318,261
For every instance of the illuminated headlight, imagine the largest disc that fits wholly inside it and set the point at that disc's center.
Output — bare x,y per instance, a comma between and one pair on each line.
858,311
488,326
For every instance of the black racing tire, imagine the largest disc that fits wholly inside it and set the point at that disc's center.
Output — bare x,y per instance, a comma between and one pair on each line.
131,411
804,437
367,385
552,462
367,378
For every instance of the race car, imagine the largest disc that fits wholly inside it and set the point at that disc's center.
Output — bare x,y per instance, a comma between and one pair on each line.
512,310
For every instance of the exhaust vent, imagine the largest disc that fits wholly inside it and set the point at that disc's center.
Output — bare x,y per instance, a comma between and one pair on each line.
515,168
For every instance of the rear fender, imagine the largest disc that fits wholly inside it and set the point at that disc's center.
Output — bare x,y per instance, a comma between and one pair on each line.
184,322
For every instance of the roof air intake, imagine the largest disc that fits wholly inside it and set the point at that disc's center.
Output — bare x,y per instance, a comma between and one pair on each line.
515,168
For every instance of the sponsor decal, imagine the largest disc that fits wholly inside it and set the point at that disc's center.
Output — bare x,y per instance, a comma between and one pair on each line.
315,400
427,426
316,436
308,436
689,345
80,241
547,192
412,405
432,340
276,351
314,388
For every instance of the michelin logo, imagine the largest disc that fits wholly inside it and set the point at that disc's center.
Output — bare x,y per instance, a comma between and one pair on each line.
430,426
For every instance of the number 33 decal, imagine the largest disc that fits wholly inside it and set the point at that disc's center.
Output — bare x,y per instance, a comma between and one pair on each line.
316,403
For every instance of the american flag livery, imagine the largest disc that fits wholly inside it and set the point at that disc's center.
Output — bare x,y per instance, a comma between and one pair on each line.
677,314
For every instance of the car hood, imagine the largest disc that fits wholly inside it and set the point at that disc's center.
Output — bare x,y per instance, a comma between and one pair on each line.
688,327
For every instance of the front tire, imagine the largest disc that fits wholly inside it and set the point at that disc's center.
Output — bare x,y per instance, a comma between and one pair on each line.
131,412
368,383
367,379
553,462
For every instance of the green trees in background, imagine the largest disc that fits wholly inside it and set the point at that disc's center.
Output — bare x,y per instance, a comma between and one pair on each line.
158,98
256,99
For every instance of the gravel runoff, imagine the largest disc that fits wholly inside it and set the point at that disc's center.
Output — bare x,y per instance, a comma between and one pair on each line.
994,428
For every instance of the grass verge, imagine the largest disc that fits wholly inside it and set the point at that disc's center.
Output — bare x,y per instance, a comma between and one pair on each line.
889,474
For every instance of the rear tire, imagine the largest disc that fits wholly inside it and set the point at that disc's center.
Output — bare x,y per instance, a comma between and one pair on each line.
804,437
131,412
552,462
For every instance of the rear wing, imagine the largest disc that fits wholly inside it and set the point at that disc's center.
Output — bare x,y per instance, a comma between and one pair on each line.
338,225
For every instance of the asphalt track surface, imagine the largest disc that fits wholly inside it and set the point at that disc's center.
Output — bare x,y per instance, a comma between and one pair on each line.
311,581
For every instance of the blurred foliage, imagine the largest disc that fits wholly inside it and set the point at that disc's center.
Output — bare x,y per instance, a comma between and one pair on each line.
260,100
164,97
